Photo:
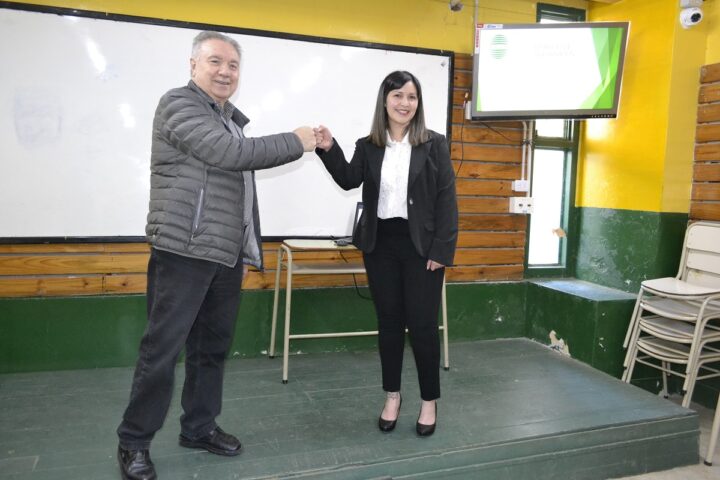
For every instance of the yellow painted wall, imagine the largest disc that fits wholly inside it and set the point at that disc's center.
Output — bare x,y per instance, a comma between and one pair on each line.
643,159
517,11
712,17
621,161
689,51
415,23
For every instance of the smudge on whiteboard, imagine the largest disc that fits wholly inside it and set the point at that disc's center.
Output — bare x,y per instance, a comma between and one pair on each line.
38,119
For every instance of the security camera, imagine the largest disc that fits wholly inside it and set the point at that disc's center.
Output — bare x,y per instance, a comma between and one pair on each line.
456,5
690,17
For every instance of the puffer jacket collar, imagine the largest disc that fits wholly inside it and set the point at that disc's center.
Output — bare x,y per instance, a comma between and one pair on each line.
237,116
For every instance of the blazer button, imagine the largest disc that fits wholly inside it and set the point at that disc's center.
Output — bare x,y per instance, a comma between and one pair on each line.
410,201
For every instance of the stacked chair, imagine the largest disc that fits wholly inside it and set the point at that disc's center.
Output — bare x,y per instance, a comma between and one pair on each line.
675,326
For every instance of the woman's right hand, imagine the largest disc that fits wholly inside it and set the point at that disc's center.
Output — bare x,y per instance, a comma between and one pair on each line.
323,137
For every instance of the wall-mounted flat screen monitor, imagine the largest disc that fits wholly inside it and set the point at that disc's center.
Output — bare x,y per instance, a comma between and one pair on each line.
555,70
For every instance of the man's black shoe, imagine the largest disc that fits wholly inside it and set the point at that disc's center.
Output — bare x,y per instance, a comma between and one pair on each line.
136,464
217,442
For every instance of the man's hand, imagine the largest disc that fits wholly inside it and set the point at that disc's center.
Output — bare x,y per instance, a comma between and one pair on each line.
307,137
323,137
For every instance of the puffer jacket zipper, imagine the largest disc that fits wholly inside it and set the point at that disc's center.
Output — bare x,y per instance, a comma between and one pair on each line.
200,202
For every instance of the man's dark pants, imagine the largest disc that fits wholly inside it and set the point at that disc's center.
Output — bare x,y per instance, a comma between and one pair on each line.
191,303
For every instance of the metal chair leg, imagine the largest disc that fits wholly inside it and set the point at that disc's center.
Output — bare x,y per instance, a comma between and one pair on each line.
713,435
445,327
273,325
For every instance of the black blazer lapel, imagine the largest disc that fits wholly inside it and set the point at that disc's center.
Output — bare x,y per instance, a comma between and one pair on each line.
375,159
418,157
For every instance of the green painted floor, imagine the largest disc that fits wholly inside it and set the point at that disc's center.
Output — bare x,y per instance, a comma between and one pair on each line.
511,409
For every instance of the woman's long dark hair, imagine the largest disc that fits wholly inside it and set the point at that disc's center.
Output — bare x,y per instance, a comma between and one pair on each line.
416,130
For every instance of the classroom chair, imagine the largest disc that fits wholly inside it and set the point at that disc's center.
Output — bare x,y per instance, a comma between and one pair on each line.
676,321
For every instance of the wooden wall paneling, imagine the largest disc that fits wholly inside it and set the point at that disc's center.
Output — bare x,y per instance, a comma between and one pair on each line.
489,256
60,248
491,239
709,93
487,157
706,191
707,172
485,272
42,286
707,152
469,169
72,264
266,280
463,63
484,187
515,223
125,283
705,211
710,73
705,199
482,205
708,133
709,113
487,153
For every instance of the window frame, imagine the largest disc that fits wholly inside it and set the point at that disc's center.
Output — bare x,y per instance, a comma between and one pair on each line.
570,146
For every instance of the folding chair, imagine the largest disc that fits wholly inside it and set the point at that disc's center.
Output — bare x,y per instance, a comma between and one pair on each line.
674,320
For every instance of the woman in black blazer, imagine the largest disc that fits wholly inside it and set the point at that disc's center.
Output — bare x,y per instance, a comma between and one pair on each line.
407,233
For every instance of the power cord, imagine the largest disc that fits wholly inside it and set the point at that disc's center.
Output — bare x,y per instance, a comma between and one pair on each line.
498,132
462,132
357,287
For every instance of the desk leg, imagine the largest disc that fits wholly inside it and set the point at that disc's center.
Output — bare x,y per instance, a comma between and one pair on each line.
271,349
286,335
445,327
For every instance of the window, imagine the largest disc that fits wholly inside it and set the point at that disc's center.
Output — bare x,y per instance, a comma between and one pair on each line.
553,192
553,180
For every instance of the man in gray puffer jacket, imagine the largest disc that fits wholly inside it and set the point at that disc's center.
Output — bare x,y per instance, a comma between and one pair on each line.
203,227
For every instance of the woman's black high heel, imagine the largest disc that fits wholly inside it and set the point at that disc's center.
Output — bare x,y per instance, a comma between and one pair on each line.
426,430
389,425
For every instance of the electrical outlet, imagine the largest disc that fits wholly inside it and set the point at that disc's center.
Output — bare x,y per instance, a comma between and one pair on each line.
521,185
521,205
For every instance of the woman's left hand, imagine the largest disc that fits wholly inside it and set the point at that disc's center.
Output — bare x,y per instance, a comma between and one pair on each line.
433,265
323,138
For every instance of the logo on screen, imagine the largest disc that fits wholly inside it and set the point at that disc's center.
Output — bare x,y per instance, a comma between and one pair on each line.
498,47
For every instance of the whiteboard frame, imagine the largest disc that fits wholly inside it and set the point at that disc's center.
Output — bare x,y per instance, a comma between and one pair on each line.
91,14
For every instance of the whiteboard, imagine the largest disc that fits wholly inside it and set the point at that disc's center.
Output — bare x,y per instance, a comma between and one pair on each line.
78,94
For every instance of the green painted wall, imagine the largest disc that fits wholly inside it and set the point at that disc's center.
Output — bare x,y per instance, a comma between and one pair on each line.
590,319
68,333
618,249
486,310
621,248
95,332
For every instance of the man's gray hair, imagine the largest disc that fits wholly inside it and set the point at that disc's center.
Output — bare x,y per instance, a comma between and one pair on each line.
210,35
